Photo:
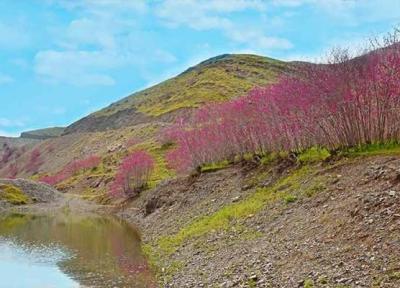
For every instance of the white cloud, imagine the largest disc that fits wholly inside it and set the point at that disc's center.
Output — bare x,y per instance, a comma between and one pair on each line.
214,14
257,39
103,6
203,14
352,12
106,36
74,67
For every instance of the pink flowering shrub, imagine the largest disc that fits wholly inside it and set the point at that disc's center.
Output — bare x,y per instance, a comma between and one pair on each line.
12,170
133,174
72,168
34,162
6,154
347,103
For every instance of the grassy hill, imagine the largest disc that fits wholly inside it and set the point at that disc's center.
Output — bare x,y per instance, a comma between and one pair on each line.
42,134
216,79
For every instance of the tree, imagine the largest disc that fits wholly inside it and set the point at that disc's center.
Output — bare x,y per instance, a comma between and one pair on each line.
72,168
133,174
34,162
348,102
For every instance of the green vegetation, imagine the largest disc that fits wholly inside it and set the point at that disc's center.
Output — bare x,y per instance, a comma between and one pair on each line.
157,151
214,166
13,195
389,148
308,283
314,154
395,276
317,187
217,79
289,199
222,219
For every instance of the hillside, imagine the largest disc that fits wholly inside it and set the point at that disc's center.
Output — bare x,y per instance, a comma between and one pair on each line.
216,79
42,134
324,223
303,215
17,141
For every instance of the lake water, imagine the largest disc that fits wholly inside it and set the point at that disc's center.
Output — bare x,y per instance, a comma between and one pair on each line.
69,252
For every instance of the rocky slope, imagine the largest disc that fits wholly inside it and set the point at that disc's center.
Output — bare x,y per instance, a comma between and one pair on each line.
326,224
23,192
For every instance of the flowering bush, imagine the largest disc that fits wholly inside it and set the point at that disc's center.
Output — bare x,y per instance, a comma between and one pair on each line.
72,168
347,103
133,174
34,162
12,170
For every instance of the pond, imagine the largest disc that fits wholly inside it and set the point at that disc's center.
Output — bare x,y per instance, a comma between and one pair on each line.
65,251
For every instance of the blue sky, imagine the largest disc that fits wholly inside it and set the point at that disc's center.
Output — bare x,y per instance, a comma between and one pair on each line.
62,59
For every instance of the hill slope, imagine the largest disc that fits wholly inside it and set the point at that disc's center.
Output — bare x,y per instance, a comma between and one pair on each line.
42,134
216,79
280,224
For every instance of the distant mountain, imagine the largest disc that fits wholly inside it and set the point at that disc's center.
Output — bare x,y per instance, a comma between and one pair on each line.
42,134
216,79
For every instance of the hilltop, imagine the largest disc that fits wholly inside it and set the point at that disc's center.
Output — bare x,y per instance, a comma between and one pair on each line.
217,79
43,134
136,121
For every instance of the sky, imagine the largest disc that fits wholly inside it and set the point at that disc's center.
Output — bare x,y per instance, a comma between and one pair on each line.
63,59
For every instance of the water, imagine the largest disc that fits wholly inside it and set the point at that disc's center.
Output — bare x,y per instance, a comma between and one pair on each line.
70,252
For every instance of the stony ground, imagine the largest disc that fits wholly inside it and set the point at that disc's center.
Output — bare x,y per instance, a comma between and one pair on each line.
344,233
47,199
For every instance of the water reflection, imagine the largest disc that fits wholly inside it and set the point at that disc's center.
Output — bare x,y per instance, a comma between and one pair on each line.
62,251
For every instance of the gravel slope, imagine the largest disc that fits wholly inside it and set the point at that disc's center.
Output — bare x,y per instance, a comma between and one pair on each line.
346,235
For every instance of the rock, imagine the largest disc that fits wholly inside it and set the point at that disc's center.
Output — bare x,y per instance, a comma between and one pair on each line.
253,277
236,199
392,193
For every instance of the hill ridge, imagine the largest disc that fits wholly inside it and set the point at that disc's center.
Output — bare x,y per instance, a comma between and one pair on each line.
215,79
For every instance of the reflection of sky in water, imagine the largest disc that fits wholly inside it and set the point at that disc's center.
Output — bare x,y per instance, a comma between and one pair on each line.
61,251
23,266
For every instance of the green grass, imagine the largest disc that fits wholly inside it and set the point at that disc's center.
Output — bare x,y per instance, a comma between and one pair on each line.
214,166
289,199
389,148
217,79
222,219
317,187
394,276
158,151
308,283
13,195
314,154
270,157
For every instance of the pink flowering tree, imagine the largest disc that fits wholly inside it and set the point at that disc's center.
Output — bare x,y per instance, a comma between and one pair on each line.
72,168
34,162
349,102
133,174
